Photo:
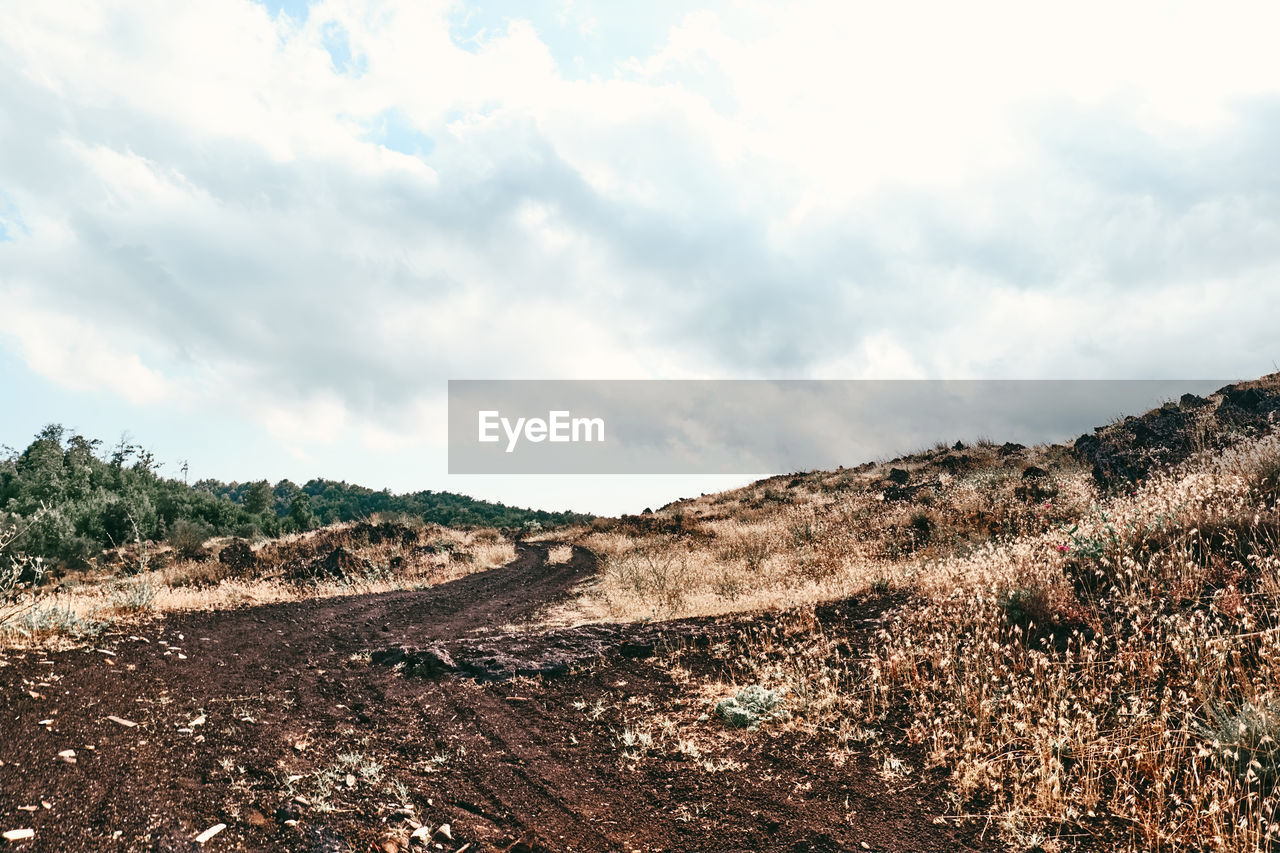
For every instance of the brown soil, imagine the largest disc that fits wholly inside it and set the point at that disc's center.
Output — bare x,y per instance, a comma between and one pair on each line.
484,727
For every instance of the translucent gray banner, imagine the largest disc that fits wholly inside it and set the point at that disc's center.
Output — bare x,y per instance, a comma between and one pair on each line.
749,427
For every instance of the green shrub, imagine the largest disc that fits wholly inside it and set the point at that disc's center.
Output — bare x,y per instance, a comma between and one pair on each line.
1026,606
752,706
135,598
1247,741
187,538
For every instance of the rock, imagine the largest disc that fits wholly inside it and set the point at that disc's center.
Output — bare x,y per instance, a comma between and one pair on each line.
336,565
1034,473
321,839
637,649
19,834
121,721
526,844
289,811
207,836
1249,399
1010,448
68,755
898,476
432,661
238,557
959,445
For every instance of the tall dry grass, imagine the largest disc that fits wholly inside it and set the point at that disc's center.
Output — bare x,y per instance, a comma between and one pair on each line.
1090,671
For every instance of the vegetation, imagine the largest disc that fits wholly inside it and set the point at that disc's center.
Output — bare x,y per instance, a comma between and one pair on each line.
69,499
1092,660
341,559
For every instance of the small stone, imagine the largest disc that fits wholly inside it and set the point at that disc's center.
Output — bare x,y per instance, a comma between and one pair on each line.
121,721
19,834
445,831
68,755
209,833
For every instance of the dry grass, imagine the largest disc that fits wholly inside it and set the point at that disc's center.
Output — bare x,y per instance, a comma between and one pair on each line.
819,537
1088,669
81,607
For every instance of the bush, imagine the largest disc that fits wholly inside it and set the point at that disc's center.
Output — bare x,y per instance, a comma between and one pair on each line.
1027,606
1266,479
752,706
187,538
1248,743
136,598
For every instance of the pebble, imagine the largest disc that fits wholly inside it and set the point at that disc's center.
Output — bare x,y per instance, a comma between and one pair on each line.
209,833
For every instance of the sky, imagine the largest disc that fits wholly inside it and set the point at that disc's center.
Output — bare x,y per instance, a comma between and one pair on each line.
261,237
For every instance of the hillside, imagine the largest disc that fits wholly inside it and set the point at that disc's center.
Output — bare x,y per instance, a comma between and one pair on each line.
70,499
989,647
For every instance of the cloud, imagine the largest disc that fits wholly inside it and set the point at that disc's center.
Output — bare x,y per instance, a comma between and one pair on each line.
316,215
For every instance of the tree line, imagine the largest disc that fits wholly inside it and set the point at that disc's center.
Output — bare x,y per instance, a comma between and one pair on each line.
70,498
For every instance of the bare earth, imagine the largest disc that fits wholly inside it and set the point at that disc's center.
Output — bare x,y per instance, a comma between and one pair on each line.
515,746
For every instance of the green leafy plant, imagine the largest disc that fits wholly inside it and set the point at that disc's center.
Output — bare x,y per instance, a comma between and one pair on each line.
752,706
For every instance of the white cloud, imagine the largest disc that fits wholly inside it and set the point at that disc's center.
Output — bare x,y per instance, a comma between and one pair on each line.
803,189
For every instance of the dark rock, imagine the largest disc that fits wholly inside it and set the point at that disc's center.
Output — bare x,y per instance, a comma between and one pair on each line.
336,565
637,649
898,475
959,445
1248,399
1034,473
1127,452
956,462
900,493
390,657
431,661
289,811
238,557
1010,448
322,839
1192,401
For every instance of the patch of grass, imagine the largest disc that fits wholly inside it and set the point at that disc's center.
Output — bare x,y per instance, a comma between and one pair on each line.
752,706
1246,740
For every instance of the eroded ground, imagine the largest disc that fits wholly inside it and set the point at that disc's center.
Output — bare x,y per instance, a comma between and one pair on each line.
278,722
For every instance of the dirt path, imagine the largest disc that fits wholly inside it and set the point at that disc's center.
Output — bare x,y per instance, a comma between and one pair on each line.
238,714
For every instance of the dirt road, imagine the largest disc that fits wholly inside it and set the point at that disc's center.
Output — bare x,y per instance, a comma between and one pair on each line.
276,722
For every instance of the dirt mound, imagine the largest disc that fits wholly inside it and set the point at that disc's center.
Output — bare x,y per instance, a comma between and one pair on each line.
1129,451
239,558
337,564
389,532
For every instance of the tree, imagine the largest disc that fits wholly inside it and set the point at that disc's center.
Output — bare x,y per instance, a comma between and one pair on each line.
300,511
259,497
